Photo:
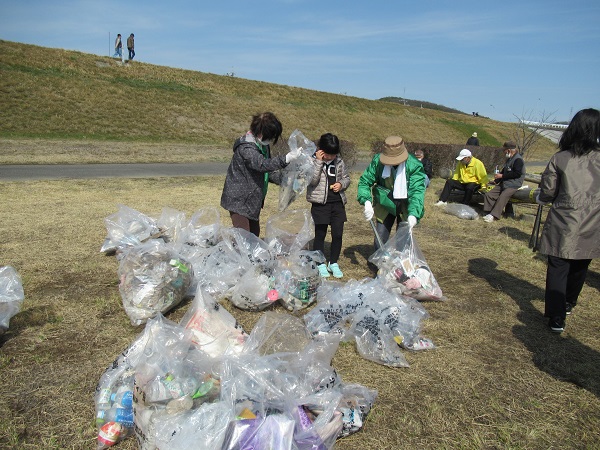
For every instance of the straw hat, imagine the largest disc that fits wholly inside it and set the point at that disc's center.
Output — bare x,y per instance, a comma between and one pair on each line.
394,151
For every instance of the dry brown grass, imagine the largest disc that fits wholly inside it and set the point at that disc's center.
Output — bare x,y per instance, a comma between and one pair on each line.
498,378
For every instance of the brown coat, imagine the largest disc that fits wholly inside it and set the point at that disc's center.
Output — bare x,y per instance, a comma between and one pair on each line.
572,184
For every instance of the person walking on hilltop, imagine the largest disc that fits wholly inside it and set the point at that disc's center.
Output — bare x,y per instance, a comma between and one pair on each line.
118,47
571,234
131,46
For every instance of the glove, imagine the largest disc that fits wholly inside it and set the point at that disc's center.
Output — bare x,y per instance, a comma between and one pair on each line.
412,221
369,212
291,156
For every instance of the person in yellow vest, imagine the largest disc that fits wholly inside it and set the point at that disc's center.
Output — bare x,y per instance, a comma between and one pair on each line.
469,176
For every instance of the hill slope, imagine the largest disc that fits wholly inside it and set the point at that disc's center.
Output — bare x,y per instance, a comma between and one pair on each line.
59,94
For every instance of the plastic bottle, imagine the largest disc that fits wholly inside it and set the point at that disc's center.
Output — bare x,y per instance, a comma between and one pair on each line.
123,416
123,398
496,170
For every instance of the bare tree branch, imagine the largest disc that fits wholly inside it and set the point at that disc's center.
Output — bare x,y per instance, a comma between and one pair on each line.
529,131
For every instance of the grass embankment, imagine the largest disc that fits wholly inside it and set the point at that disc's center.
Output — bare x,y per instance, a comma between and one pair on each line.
78,99
498,379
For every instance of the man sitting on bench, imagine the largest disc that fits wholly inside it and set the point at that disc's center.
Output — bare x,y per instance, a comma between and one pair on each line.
469,176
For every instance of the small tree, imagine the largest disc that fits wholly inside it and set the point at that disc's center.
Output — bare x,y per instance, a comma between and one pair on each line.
529,131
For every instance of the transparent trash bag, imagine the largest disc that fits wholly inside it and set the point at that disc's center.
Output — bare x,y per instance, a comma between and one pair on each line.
215,330
170,224
461,211
127,228
289,231
153,278
277,333
337,304
318,422
296,279
11,296
355,405
173,379
114,394
402,267
296,175
203,428
375,341
202,229
254,291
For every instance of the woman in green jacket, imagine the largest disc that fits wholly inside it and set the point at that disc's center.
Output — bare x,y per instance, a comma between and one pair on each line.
392,188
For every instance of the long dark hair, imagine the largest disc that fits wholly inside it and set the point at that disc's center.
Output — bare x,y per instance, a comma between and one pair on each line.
583,133
267,126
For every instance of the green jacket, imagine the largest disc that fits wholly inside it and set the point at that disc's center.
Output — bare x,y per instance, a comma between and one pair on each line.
373,188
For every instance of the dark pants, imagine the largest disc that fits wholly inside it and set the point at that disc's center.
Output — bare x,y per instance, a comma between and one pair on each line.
564,281
131,53
468,188
238,221
384,229
337,230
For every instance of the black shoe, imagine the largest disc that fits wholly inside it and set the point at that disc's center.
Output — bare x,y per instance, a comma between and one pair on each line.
569,308
557,325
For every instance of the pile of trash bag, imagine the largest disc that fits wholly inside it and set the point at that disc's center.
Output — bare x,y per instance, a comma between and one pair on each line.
158,271
277,393
206,383
11,296
402,267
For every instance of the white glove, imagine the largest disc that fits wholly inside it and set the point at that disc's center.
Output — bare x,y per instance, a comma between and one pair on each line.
293,155
412,221
369,211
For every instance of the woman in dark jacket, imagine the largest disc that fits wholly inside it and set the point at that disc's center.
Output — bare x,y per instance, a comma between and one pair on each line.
248,173
571,234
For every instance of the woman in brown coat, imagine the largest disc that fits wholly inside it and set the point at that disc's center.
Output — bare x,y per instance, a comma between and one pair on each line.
571,235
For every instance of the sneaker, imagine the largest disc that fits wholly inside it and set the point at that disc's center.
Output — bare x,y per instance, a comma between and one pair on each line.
441,203
569,308
488,218
335,270
557,325
323,270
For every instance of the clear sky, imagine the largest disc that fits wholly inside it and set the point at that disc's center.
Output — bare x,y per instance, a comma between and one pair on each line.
502,59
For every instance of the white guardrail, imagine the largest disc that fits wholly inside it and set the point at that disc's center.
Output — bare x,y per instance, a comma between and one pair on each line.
550,126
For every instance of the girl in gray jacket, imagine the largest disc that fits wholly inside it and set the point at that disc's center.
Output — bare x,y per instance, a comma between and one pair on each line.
326,193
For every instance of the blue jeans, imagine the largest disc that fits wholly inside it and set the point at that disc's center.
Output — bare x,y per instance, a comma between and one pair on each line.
118,52
131,53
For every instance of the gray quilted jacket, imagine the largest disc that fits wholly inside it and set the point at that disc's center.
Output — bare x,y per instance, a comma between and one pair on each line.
243,189
317,189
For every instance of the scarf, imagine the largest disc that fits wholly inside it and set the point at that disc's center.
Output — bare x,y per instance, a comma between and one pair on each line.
400,190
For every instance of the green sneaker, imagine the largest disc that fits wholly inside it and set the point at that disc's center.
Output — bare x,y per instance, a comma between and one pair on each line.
335,270
323,270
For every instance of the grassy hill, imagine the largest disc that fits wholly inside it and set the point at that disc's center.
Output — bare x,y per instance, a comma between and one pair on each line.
58,94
